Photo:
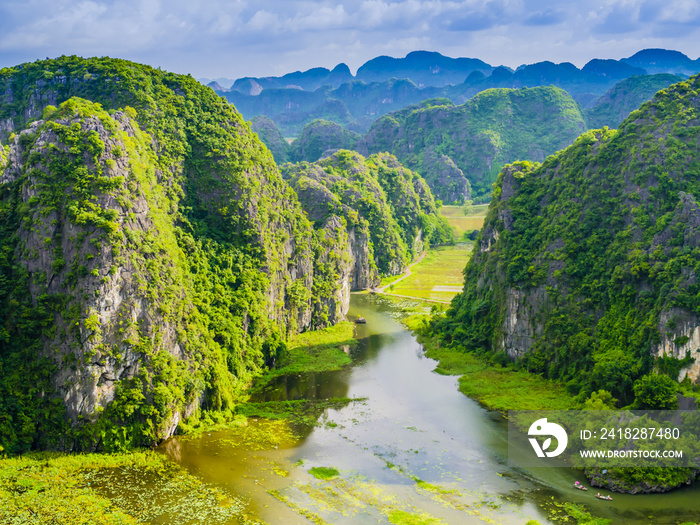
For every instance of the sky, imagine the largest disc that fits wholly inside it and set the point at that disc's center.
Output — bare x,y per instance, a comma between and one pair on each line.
237,38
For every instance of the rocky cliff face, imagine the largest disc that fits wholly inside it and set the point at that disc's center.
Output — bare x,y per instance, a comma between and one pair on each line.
152,258
585,269
84,250
389,212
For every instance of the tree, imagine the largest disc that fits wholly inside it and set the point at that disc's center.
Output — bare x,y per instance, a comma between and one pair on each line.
655,392
600,400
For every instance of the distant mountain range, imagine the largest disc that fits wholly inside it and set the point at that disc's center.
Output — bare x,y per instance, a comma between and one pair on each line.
460,149
386,84
431,69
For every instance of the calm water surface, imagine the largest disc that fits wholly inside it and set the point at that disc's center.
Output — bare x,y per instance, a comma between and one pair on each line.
414,424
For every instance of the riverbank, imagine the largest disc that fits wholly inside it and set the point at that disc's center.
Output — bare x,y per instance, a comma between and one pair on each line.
406,445
493,385
502,387
142,486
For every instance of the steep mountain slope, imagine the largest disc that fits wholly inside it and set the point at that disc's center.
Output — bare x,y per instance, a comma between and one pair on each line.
624,97
272,138
152,257
388,212
586,268
455,147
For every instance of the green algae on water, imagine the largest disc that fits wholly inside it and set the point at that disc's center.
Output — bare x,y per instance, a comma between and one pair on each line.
324,472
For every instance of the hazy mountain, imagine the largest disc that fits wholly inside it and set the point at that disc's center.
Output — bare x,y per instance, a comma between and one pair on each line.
424,68
309,80
664,61
386,84
624,97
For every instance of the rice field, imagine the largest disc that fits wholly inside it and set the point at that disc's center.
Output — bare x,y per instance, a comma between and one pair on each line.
465,222
438,276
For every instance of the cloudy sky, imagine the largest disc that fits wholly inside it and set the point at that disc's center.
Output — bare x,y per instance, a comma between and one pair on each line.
235,38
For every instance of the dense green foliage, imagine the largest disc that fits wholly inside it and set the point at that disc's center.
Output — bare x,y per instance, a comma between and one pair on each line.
624,97
319,136
272,138
376,196
594,252
152,259
493,128
656,392
171,204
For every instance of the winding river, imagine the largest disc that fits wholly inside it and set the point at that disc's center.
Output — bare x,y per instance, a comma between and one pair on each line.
412,425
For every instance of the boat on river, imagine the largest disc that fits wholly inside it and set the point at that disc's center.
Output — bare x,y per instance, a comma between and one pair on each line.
361,320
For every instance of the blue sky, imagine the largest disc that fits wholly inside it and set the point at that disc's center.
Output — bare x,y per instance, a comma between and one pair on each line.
235,38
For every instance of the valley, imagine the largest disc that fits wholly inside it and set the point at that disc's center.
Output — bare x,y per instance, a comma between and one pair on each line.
202,321
446,462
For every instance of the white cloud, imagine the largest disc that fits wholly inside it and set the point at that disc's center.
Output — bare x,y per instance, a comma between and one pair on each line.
238,37
323,18
264,21
682,11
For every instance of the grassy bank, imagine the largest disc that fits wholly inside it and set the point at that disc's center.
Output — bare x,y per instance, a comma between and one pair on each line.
142,486
495,386
317,351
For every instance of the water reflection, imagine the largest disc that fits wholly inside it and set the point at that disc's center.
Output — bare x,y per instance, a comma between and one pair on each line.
414,425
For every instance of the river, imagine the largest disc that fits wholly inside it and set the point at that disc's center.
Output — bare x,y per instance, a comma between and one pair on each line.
413,424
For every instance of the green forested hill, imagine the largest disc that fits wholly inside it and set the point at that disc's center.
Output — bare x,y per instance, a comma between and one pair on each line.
152,257
319,136
388,211
624,97
458,147
586,268
272,138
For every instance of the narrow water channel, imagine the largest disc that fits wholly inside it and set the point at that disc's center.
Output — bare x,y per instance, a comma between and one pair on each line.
413,425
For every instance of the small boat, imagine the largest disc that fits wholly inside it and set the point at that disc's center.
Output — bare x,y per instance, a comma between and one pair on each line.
606,498
579,486
361,320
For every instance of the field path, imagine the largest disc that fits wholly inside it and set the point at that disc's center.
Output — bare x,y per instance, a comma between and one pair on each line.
406,274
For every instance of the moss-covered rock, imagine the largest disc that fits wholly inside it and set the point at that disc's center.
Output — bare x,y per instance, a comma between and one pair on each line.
322,137
585,269
389,211
152,257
